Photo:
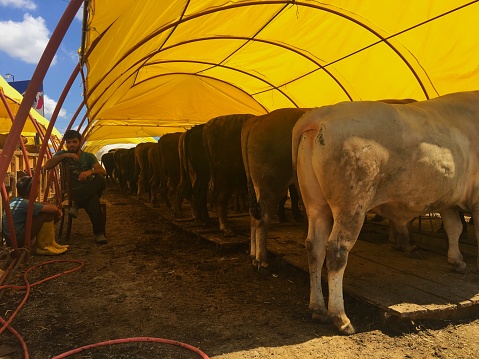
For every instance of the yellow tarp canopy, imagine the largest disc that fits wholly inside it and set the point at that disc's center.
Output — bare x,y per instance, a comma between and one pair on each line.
14,98
161,65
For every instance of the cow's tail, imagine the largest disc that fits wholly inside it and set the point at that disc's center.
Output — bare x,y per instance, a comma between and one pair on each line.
211,165
254,207
305,123
184,187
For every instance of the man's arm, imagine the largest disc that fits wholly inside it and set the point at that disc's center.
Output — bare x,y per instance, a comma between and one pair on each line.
55,160
51,208
97,170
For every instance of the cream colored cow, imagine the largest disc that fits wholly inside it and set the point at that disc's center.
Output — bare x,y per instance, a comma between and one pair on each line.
399,161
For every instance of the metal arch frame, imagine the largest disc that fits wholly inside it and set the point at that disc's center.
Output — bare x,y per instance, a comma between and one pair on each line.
224,67
309,58
286,3
191,74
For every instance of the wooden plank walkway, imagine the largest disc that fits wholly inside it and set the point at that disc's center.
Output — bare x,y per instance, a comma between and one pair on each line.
399,286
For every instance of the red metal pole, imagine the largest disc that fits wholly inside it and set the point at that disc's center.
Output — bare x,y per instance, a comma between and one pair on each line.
29,97
35,83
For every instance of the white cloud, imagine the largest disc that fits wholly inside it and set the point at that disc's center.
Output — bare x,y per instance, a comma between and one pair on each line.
21,4
49,106
72,55
26,40
79,14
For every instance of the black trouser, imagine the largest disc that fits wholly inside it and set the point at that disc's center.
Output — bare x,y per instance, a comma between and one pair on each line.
87,195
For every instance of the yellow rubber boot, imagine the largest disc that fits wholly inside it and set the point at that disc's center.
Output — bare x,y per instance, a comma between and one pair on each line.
55,244
45,239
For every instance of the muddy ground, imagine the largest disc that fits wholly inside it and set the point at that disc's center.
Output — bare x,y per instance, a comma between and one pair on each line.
153,280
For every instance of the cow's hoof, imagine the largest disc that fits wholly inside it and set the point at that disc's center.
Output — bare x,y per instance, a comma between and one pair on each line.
264,272
459,267
320,316
347,329
344,326
415,253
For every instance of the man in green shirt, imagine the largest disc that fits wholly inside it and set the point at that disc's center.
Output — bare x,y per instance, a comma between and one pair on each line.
87,181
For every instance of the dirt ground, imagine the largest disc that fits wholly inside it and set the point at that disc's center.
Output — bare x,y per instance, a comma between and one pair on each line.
153,280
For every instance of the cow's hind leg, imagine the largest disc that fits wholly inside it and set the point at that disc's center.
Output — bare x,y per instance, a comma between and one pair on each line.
295,199
319,227
453,227
262,228
259,247
401,238
343,236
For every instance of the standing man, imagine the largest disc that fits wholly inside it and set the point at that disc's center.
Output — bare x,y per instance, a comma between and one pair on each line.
87,181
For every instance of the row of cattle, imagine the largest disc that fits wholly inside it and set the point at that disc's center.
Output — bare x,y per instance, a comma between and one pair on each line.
237,156
399,159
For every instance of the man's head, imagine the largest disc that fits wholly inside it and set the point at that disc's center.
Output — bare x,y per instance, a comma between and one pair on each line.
72,140
24,186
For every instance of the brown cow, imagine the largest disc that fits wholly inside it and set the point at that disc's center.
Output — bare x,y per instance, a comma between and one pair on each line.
222,140
170,160
118,161
266,148
155,178
109,163
184,186
196,169
125,169
142,168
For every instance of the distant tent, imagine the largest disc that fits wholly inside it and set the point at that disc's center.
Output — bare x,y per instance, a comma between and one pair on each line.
14,98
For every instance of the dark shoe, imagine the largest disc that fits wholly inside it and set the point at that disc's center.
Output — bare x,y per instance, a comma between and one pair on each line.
73,211
100,239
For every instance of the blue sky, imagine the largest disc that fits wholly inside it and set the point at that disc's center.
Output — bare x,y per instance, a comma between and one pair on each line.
25,28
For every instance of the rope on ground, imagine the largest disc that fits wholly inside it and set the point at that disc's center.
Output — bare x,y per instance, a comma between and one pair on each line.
131,340
27,286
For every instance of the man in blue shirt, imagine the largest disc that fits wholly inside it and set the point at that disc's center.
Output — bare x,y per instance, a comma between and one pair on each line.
41,213
87,181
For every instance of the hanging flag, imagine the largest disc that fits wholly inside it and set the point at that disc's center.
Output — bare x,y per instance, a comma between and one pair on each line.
38,104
